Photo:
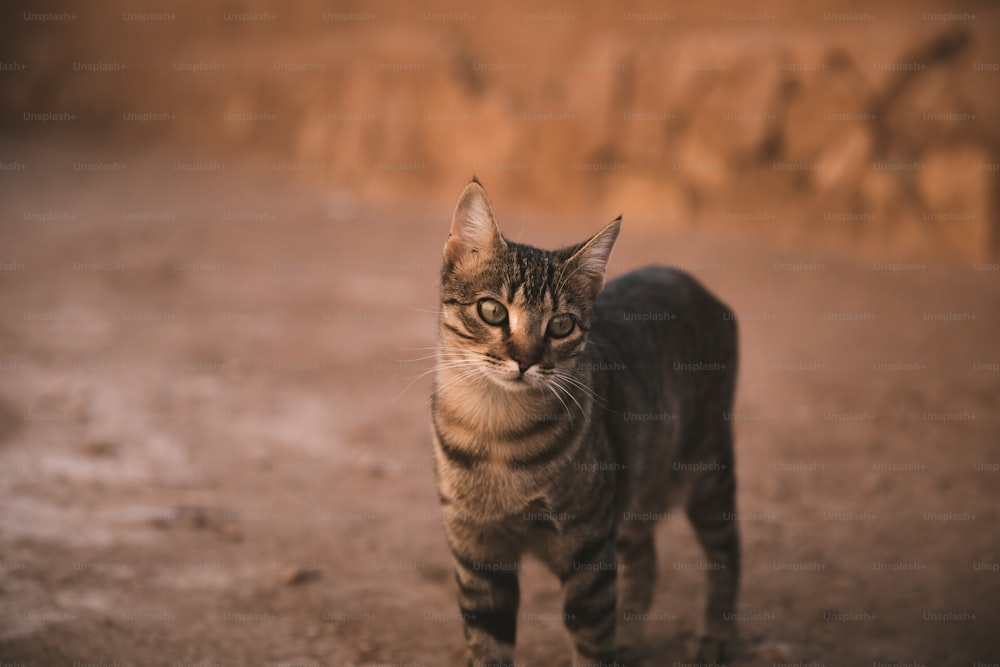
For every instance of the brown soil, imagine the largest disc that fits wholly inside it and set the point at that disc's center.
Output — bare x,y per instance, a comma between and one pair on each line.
214,450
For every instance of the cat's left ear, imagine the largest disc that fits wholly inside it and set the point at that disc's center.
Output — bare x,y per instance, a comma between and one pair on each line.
591,258
474,229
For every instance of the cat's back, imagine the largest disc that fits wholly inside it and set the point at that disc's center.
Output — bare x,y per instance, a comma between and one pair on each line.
657,298
668,336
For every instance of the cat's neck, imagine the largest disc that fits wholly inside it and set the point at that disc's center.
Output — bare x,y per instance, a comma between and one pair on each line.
481,402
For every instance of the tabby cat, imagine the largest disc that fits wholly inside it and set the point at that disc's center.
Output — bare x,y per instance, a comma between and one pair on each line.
568,415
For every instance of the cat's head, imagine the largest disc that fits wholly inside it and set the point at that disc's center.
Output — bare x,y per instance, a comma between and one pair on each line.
511,313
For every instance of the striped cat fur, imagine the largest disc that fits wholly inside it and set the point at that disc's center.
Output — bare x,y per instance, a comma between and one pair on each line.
567,415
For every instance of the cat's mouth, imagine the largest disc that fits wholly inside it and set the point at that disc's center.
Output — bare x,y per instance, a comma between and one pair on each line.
532,378
508,374
520,380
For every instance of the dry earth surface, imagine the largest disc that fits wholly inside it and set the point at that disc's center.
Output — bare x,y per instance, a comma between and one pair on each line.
213,449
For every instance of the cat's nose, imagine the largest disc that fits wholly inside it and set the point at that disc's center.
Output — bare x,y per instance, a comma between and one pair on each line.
525,355
523,361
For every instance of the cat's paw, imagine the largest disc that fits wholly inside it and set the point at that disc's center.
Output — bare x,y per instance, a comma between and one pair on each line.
709,651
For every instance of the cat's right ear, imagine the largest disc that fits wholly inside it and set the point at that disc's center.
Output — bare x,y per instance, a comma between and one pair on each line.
591,257
474,228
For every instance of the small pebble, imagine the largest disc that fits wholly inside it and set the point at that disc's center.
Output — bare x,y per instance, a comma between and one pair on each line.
293,574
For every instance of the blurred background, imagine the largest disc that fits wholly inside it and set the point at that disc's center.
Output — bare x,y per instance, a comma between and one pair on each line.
877,125
220,228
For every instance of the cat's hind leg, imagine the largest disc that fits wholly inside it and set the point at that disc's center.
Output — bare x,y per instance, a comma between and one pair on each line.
711,508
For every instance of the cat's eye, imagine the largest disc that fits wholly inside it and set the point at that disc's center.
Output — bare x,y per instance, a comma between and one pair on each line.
561,326
493,312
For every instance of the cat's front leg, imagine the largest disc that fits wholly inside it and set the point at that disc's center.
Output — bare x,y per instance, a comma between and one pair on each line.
488,594
589,611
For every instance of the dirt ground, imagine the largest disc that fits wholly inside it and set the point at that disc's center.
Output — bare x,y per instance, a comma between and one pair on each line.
214,441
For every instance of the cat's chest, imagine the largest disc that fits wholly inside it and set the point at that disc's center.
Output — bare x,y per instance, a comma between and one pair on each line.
494,494
495,456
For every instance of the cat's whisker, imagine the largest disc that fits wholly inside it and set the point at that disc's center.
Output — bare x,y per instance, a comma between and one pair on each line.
455,365
462,376
410,384
423,310
458,358
446,364
421,349
442,357
556,382
441,352
408,361
575,381
560,399
468,365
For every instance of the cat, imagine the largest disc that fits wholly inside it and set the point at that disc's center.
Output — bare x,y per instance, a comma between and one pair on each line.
567,416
